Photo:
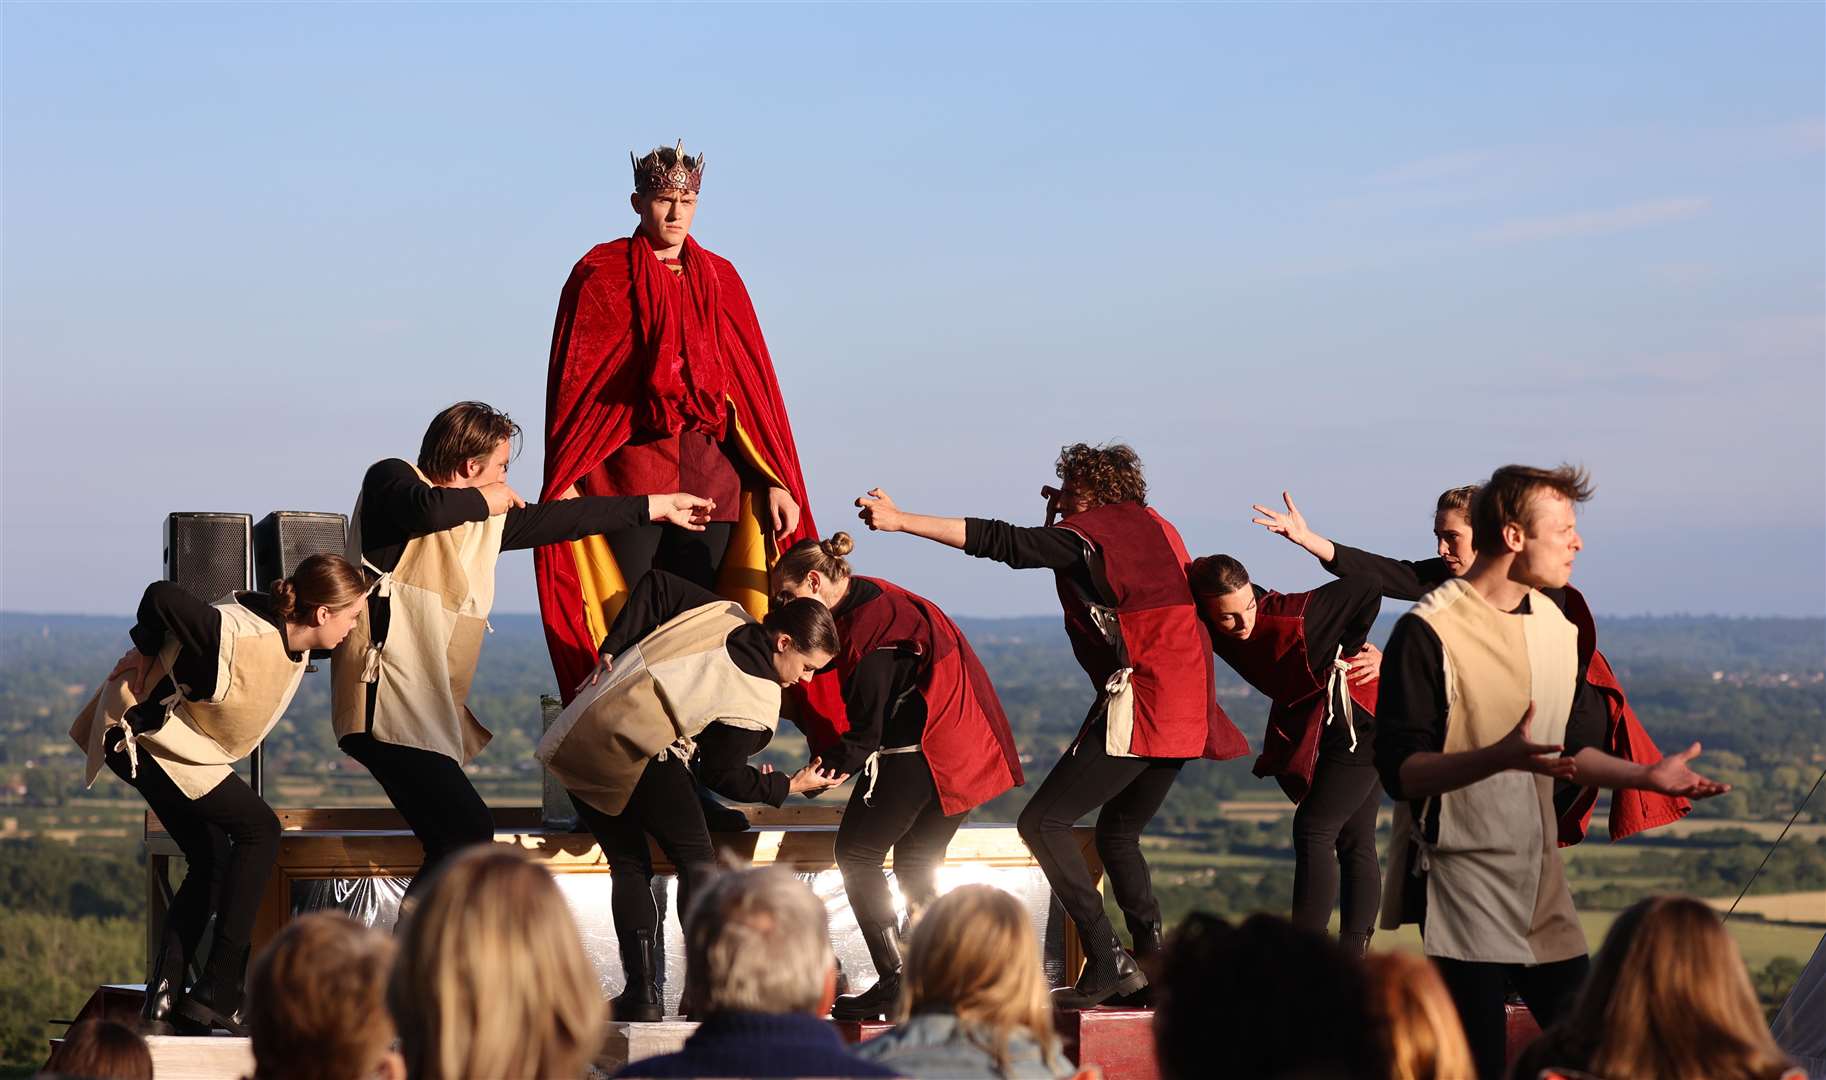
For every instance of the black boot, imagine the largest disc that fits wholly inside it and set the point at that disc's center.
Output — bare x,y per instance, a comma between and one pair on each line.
639,1002
1108,971
877,1001
1357,944
215,1000
1146,935
164,987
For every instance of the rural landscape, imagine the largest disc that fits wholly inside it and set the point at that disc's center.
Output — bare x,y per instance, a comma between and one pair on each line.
1753,690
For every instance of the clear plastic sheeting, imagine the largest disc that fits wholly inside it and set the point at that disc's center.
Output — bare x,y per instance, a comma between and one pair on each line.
374,901
371,901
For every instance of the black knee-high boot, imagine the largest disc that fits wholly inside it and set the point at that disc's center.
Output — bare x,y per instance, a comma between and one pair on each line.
164,985
883,940
216,999
1109,971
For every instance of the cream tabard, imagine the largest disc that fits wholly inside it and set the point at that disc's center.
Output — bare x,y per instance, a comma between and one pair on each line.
438,597
655,698
1496,888
200,740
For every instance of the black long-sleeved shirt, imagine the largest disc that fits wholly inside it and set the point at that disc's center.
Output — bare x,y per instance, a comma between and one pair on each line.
1049,547
397,506
878,697
1339,614
167,612
1411,705
723,750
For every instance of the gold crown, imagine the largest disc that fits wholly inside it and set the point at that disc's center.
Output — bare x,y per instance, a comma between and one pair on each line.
667,168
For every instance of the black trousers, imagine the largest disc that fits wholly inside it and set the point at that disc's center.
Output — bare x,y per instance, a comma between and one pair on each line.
904,814
1334,830
664,805
433,794
694,556
230,840
1130,791
1479,990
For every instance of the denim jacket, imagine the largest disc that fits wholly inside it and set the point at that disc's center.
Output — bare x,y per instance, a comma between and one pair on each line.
936,1044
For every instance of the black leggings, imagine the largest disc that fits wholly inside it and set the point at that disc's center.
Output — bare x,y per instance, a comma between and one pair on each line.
1335,827
664,804
432,793
1130,791
230,840
1479,990
694,556
905,815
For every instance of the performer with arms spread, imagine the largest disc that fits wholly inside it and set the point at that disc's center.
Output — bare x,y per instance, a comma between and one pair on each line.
924,728
1631,811
1120,569
399,683
688,689
199,690
660,380
1482,707
1309,654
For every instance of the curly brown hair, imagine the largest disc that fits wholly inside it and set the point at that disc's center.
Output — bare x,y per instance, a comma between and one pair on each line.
1105,474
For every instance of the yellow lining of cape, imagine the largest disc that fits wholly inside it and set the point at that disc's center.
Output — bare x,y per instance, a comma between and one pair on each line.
743,578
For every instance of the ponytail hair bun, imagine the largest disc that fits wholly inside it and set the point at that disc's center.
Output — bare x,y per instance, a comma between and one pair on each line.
838,545
808,555
328,581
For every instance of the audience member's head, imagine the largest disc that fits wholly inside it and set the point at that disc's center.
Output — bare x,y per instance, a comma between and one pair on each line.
1422,1038
1267,999
758,941
101,1050
1668,998
317,1003
974,954
491,981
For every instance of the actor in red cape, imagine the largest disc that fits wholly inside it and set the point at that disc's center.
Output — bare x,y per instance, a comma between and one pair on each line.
660,380
1121,574
1631,810
1309,653
925,733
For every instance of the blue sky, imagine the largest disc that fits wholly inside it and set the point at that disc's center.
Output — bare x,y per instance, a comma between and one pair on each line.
1363,252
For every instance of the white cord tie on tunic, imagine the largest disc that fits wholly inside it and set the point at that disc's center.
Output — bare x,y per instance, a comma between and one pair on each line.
1337,691
684,748
871,768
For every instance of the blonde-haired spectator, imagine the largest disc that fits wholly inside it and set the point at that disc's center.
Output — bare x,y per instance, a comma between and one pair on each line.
317,1005
491,981
1421,1035
974,1000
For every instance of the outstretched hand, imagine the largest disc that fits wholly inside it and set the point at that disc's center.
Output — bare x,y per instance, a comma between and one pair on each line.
1291,524
686,511
1673,776
879,512
1516,751
811,777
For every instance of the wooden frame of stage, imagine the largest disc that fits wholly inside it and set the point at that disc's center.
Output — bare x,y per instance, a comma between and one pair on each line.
365,842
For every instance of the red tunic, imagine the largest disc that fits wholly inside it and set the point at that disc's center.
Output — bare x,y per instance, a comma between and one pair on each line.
1163,641
640,354
1274,659
1631,810
966,741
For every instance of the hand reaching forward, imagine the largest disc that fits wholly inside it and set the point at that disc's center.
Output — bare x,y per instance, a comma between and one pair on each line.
1292,524
1515,751
686,511
810,778
783,513
1672,776
1366,664
879,512
501,498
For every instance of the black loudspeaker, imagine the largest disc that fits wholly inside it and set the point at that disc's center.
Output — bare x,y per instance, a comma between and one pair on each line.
210,555
285,538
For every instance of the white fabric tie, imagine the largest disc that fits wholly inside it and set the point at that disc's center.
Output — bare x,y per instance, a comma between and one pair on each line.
684,748
1337,692
871,769
370,664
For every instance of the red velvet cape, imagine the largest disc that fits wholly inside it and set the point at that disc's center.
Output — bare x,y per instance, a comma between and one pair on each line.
1175,687
1275,660
610,372
967,741
1631,811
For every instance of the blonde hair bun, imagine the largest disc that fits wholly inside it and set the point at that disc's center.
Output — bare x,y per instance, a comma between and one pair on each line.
838,545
